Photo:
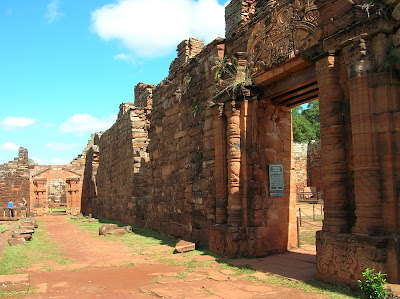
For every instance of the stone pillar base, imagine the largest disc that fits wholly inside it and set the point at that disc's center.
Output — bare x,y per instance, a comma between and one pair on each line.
341,258
234,242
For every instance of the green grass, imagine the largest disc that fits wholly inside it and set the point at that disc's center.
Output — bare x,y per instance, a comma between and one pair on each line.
2,228
307,236
139,240
314,286
14,294
38,251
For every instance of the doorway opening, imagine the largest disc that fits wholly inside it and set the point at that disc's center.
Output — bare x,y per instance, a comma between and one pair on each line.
57,198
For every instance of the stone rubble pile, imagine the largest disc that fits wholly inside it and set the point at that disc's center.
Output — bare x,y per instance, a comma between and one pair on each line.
23,233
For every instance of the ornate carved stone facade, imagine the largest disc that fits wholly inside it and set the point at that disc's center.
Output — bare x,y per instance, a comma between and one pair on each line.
289,28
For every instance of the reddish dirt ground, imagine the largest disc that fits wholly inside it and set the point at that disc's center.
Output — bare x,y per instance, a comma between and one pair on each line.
100,271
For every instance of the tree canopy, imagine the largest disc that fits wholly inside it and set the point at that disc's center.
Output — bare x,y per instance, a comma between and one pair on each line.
305,122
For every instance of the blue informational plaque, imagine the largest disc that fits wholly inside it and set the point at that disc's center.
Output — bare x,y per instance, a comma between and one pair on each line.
275,180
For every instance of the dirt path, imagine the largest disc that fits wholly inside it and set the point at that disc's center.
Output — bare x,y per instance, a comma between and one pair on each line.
100,271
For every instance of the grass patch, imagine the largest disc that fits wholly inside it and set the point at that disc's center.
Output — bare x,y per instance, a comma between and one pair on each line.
3,227
239,270
307,236
314,286
140,239
37,251
15,294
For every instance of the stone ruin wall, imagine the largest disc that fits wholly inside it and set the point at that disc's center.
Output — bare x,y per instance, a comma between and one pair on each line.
182,190
89,183
167,183
307,160
119,175
167,180
14,179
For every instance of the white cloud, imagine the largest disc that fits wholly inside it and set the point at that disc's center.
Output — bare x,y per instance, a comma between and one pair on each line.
125,57
85,123
59,146
48,125
53,11
9,146
122,56
59,161
35,159
155,27
12,123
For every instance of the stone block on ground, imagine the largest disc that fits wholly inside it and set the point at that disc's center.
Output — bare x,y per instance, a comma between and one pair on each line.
184,246
107,227
113,229
91,220
393,289
24,231
27,227
30,223
16,241
16,282
27,237
119,231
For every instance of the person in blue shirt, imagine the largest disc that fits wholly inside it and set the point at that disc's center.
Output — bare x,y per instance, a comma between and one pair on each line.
10,207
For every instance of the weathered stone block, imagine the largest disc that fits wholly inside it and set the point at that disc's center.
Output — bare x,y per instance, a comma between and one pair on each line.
113,229
16,241
184,246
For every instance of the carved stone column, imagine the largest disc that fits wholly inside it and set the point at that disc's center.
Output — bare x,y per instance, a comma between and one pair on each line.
333,146
233,163
221,180
367,189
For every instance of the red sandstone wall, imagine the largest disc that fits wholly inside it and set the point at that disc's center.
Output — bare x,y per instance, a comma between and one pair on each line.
314,165
308,167
89,184
300,162
14,181
182,196
122,168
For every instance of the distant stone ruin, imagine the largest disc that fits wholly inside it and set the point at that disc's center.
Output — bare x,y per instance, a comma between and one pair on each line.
43,187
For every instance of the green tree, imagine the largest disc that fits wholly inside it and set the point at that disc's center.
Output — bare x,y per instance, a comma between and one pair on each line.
305,123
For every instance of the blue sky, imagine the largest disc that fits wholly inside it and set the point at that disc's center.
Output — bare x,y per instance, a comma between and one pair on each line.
66,65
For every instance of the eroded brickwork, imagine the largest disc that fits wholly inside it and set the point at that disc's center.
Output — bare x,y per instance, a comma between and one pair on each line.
121,151
14,179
